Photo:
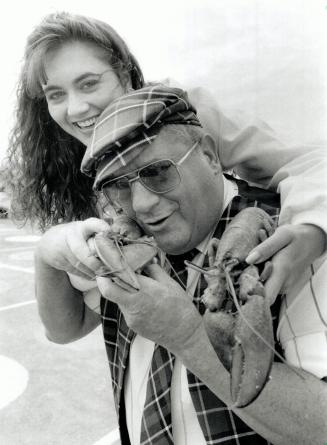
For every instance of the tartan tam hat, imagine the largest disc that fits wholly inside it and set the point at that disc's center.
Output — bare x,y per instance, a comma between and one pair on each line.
130,124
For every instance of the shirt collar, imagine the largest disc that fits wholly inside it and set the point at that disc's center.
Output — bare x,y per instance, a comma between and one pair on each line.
230,191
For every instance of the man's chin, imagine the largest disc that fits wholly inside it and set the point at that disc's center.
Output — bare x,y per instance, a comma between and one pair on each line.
172,241
171,245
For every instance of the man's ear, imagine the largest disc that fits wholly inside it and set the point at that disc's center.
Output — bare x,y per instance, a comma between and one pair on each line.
210,152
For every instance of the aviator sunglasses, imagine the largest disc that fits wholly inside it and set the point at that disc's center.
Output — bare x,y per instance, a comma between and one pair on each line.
159,177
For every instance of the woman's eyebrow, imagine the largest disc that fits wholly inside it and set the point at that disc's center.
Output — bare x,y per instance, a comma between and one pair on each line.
84,75
47,88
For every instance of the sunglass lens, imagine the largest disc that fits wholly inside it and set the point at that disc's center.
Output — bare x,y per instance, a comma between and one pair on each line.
118,190
160,176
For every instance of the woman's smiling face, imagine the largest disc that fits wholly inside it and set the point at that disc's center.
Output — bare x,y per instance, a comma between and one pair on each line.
80,85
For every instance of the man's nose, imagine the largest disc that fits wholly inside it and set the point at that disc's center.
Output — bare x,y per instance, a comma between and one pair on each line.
143,199
76,106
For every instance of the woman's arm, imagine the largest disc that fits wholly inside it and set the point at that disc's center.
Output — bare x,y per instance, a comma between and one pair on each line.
301,235
61,307
63,249
246,145
254,152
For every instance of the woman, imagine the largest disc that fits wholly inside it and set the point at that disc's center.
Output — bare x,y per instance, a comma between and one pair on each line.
73,68
44,159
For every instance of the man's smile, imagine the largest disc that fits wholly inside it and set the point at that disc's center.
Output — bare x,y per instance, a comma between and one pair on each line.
158,223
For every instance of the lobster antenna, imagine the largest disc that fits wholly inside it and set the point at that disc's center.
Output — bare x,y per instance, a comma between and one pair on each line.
239,309
175,273
209,272
188,264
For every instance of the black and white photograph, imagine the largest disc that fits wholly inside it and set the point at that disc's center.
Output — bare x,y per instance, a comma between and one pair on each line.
163,208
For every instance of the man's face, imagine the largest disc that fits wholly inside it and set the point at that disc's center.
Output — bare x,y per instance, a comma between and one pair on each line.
181,218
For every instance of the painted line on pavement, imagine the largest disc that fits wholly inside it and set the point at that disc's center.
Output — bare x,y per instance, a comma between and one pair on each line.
13,382
110,439
16,249
23,239
19,269
14,306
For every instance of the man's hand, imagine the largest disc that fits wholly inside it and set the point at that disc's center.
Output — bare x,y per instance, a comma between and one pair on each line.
292,249
161,311
64,247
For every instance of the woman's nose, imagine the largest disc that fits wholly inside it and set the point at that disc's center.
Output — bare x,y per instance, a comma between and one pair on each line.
76,106
143,200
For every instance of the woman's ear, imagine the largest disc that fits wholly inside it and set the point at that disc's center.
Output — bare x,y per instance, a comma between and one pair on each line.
210,152
126,82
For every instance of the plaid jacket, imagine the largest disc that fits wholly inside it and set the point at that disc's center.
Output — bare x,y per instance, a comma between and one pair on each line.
218,423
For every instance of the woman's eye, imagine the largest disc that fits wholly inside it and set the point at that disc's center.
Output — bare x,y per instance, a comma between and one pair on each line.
55,96
89,84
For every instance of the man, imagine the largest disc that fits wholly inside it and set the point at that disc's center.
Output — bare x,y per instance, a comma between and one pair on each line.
153,161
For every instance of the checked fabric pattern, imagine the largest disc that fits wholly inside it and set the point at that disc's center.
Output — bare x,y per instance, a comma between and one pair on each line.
157,409
156,421
218,423
129,123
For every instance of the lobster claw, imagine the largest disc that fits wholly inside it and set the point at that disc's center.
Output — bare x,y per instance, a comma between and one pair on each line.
122,261
242,352
238,319
251,358
243,340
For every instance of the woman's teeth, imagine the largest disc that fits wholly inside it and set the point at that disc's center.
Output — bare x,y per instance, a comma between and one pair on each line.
87,123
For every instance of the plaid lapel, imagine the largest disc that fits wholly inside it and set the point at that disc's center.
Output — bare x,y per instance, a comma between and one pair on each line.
118,337
156,426
156,421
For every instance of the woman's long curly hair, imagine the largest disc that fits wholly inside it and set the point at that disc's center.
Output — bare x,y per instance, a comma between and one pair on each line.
42,168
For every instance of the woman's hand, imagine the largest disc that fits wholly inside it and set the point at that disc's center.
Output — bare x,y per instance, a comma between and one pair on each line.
64,247
292,249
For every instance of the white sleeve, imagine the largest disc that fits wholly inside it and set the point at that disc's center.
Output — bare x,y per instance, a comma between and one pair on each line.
254,152
246,145
303,189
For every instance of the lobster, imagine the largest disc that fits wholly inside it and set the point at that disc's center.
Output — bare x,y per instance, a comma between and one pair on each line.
237,318
123,251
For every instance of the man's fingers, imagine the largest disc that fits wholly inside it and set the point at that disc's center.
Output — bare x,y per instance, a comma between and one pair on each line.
112,291
281,238
156,272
